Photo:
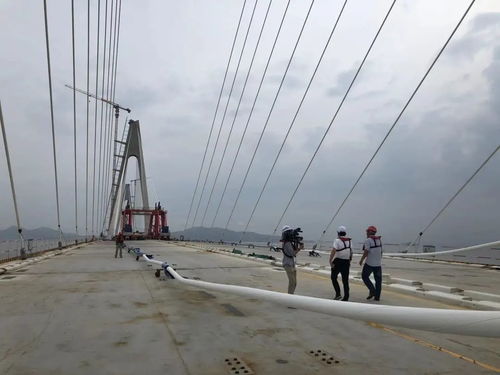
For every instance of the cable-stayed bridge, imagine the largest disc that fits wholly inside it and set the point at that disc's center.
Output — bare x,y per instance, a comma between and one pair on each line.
105,136
213,307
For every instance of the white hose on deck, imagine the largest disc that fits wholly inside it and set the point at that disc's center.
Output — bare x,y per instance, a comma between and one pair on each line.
461,322
470,248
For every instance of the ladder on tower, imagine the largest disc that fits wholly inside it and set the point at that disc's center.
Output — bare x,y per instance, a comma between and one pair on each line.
118,160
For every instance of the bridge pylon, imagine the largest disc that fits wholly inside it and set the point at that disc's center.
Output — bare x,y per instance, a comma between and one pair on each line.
132,147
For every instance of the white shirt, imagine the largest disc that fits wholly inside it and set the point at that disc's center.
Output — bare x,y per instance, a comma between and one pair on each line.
288,255
374,257
338,245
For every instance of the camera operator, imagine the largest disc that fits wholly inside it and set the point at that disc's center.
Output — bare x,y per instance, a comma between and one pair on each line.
291,246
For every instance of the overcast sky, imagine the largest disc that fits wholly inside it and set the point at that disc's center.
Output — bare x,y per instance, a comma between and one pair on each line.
172,59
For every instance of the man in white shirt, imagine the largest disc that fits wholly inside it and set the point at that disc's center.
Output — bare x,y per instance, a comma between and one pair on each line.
372,252
340,262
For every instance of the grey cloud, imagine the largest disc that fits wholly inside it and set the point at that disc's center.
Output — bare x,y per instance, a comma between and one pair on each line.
175,98
341,83
139,96
486,21
492,74
368,94
484,30
297,75
291,82
467,47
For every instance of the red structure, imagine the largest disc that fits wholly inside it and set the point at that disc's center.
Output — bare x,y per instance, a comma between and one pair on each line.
157,224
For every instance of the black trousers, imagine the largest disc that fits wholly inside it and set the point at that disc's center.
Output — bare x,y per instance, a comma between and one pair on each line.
341,266
377,274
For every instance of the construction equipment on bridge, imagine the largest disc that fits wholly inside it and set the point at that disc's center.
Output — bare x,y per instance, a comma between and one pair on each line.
116,106
133,147
157,228
155,220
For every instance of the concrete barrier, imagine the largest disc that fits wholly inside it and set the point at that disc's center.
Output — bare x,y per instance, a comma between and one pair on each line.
481,296
442,288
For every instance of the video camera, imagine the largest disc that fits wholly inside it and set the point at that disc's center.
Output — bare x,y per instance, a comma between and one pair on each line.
292,235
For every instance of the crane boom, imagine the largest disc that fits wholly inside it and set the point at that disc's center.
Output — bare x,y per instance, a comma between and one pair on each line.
115,105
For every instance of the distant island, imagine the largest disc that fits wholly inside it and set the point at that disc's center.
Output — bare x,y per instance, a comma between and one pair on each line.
220,234
194,234
42,233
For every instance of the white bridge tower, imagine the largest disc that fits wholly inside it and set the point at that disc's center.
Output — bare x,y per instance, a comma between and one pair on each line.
132,147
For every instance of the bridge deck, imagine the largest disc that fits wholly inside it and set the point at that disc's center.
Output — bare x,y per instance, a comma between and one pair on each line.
86,312
463,276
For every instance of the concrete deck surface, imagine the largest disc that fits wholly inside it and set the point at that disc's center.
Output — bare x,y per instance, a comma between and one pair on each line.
85,312
463,276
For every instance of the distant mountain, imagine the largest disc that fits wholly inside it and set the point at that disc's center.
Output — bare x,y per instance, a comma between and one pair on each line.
196,233
217,234
42,233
